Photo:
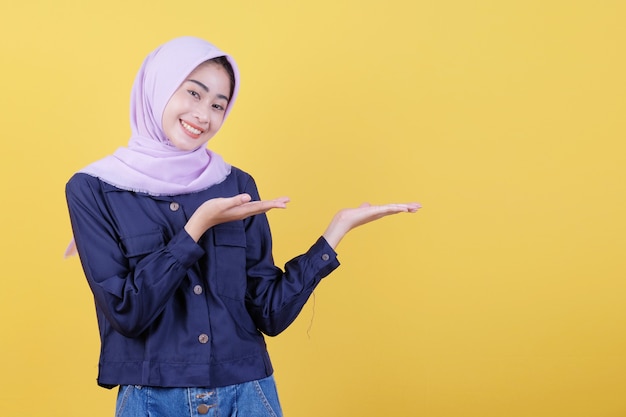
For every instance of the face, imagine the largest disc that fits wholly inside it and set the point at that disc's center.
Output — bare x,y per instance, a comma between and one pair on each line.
196,110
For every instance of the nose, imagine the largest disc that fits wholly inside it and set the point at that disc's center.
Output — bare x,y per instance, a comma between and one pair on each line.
201,114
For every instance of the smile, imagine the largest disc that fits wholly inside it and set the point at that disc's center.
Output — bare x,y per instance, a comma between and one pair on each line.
191,129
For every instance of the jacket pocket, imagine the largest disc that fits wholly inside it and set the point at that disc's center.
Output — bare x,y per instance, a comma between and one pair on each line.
142,244
230,260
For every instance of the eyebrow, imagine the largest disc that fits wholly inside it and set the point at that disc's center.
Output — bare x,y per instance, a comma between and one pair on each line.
205,88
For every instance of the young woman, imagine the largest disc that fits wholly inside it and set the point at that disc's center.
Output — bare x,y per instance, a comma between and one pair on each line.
177,250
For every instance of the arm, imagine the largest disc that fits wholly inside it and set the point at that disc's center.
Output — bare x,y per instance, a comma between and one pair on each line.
133,271
131,279
274,298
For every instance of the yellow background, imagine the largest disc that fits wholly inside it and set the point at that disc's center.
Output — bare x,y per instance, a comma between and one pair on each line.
503,296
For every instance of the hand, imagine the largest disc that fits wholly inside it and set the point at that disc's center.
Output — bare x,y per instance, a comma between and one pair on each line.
222,210
347,219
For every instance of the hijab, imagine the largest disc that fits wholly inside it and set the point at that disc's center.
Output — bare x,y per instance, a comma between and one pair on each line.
150,163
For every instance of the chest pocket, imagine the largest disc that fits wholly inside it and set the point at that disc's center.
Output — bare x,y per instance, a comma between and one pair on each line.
230,260
142,244
139,223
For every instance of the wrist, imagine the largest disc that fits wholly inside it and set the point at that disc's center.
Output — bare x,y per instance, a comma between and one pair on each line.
333,234
195,229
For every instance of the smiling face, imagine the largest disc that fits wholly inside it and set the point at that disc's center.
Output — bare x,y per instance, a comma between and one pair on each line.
196,110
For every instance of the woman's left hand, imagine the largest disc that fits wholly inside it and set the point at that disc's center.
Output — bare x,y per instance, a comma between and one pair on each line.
349,218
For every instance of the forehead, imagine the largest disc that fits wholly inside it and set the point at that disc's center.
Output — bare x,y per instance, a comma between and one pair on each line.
213,76
209,68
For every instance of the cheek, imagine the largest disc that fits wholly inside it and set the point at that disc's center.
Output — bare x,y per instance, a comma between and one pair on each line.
219,119
174,106
171,116
167,115
169,121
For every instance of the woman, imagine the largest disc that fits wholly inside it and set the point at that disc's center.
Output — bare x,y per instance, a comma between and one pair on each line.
177,250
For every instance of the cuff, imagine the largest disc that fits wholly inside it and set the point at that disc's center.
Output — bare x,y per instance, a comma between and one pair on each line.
185,249
323,257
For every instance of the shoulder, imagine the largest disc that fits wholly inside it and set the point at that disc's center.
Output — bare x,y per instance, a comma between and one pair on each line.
239,174
82,186
242,178
80,183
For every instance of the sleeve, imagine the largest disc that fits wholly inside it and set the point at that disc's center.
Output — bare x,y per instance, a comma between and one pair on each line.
274,297
130,292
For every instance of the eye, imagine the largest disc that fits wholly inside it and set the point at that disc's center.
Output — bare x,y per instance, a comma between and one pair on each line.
194,94
218,107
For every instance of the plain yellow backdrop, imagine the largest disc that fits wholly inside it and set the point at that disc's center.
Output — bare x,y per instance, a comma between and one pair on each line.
503,296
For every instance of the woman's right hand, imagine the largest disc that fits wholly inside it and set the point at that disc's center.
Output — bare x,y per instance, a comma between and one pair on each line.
227,209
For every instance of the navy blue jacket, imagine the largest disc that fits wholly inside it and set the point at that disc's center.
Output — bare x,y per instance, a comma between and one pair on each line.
176,313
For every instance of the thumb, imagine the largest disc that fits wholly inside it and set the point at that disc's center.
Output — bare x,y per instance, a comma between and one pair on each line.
244,198
234,201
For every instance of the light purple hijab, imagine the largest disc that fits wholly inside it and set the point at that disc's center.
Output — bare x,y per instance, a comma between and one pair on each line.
150,163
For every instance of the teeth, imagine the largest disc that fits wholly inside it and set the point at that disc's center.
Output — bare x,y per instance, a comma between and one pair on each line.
191,129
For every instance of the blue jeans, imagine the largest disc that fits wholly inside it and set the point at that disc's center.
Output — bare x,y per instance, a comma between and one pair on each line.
250,399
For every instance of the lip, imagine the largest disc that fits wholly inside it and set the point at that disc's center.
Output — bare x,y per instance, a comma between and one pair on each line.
186,126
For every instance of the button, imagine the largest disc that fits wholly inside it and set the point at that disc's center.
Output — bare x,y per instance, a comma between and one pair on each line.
197,289
203,338
204,409
174,206
325,257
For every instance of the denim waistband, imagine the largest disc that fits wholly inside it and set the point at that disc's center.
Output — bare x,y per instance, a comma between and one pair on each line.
254,398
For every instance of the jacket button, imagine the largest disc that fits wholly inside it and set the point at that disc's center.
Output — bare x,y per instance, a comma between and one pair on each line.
325,257
203,338
174,206
197,289
203,408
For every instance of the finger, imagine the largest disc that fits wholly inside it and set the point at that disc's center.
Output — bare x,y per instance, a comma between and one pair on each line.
263,206
408,207
413,207
389,209
282,200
